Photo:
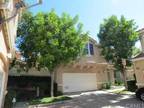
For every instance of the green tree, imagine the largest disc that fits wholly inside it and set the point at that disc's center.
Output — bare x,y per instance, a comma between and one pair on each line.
47,40
117,38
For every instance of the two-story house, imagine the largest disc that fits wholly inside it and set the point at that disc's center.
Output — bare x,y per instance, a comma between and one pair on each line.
89,72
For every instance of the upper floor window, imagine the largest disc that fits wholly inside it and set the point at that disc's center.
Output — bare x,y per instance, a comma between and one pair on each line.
89,49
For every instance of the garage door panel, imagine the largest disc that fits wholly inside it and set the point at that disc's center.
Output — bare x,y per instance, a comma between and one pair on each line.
74,82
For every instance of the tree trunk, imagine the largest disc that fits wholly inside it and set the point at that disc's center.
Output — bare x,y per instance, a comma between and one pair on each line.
52,84
124,78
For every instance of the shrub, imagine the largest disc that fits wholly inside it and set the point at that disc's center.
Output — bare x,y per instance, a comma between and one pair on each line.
107,85
132,85
48,100
119,83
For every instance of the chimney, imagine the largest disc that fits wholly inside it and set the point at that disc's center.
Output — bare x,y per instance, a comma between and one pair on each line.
141,37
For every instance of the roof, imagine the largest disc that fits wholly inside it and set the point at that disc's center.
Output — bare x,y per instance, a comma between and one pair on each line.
141,32
139,57
93,41
142,29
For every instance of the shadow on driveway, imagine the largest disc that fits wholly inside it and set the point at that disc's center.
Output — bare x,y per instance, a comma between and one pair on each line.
100,100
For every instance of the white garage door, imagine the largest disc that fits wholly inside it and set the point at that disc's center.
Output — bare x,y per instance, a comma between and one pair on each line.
74,82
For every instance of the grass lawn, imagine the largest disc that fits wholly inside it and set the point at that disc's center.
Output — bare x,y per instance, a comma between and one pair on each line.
48,100
122,92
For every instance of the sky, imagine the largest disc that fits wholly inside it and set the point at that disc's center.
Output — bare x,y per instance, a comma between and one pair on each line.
92,12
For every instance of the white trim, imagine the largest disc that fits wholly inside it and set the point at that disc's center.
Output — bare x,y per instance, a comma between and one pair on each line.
89,49
140,84
93,62
137,59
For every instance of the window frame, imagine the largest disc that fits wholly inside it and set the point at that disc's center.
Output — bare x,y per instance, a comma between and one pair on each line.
88,48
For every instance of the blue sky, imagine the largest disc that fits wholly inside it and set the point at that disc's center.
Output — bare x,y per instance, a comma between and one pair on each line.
92,12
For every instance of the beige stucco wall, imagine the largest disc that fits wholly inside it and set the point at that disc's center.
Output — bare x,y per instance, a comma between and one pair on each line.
100,70
130,73
96,58
4,63
7,41
3,48
139,72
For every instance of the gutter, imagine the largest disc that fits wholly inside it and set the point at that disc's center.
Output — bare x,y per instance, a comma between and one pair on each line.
138,59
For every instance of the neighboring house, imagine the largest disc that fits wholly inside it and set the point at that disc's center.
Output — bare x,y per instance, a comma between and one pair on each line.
89,72
138,62
8,30
10,11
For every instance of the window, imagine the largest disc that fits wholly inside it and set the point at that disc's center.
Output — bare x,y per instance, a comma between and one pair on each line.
86,49
89,50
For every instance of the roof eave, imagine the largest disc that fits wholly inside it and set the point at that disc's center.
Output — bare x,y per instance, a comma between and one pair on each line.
138,59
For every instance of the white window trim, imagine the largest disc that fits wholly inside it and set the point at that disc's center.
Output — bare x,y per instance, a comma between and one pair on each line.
88,45
88,55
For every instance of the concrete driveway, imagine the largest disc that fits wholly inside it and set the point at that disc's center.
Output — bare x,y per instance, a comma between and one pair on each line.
99,99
